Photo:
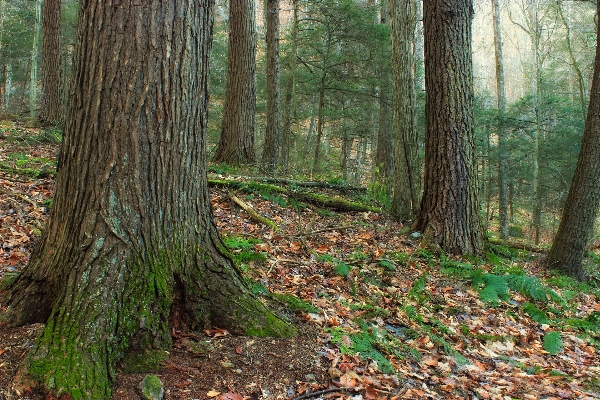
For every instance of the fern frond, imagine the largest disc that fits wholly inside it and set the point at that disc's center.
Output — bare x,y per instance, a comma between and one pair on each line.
553,343
536,314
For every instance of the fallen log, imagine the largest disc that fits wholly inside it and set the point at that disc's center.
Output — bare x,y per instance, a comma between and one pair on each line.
252,212
335,203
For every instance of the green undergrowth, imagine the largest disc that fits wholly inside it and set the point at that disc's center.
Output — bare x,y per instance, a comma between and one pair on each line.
23,164
552,302
373,343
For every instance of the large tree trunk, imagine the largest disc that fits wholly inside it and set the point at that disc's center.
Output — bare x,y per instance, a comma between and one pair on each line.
501,103
449,215
131,250
236,145
583,200
272,144
405,201
51,112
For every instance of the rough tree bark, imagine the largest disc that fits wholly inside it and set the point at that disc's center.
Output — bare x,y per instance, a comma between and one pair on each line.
384,154
272,143
583,200
236,145
405,200
449,215
290,94
51,112
131,250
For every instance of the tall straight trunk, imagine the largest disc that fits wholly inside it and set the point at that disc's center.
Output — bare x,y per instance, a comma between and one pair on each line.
384,155
449,215
236,144
51,112
7,85
583,200
33,68
272,143
131,251
320,124
574,63
405,201
2,68
290,94
501,104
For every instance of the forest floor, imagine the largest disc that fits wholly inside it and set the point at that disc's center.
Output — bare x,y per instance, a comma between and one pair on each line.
379,317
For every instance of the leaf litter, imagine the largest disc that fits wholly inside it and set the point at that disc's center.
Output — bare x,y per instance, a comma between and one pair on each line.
379,316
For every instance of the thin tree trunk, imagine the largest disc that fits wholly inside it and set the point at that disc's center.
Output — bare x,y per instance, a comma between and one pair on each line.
405,201
33,70
320,124
131,251
290,94
51,112
449,215
501,104
583,200
7,85
236,145
574,63
272,143
384,155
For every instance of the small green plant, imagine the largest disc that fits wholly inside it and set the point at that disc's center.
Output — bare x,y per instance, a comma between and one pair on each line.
294,303
552,343
387,265
516,231
418,291
536,314
234,242
342,269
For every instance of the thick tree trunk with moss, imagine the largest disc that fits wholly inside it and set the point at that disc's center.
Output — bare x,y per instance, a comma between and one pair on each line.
449,215
51,112
583,200
131,250
236,145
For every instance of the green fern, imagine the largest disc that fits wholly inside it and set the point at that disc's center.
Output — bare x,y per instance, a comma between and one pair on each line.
533,288
494,290
536,314
553,343
418,291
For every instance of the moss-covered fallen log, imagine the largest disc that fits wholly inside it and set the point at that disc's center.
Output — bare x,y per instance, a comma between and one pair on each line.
252,212
320,200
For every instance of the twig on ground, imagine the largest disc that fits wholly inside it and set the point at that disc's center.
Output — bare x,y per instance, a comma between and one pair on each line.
320,392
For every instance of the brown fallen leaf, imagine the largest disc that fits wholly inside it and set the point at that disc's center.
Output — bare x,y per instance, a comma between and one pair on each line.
215,333
231,396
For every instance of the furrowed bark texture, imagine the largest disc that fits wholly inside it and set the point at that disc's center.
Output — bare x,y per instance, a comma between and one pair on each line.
236,145
449,216
583,200
272,143
405,201
51,112
131,248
